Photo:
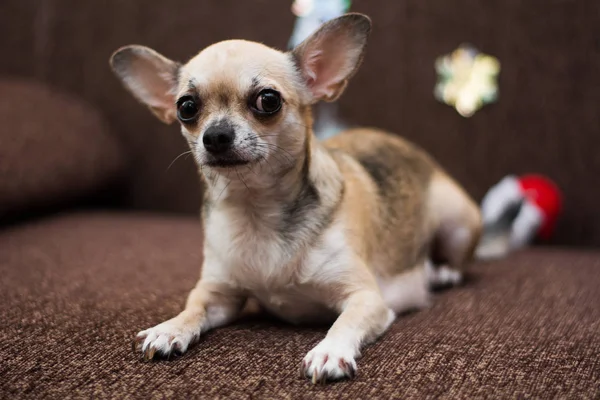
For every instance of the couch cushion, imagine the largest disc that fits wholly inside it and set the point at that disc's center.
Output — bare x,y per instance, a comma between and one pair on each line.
76,289
53,148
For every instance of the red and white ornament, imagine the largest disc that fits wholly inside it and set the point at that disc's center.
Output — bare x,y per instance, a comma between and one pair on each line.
516,211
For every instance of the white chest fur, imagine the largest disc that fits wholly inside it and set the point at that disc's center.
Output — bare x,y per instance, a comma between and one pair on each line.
288,278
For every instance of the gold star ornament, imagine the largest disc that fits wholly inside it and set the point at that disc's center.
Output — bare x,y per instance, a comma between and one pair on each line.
467,79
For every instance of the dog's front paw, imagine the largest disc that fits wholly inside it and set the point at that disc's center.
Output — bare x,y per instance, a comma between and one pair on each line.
169,338
329,361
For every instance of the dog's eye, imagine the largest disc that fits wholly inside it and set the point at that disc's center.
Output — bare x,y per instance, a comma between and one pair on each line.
187,109
268,101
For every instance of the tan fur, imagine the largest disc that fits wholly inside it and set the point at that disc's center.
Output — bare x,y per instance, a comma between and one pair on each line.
397,218
399,240
338,230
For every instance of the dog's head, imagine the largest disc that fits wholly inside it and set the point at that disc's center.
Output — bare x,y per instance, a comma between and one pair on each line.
240,102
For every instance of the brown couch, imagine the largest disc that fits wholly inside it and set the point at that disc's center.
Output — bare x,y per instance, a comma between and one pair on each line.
99,237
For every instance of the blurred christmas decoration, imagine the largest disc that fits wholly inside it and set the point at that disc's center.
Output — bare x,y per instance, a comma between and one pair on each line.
516,211
311,15
467,79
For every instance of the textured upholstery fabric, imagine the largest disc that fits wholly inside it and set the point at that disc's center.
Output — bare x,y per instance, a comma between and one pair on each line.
54,148
546,121
75,289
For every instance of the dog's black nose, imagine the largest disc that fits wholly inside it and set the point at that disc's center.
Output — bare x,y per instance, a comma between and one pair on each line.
218,138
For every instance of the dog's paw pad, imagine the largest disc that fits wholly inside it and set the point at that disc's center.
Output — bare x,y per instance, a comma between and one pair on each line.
165,340
328,362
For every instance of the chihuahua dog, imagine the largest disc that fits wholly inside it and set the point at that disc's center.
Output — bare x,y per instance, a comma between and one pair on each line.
353,230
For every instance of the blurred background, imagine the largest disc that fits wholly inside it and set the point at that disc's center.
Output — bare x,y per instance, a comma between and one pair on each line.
546,120
99,221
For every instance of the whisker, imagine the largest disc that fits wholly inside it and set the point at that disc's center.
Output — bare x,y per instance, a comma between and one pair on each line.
178,157
240,177
281,159
264,158
287,156
226,186
247,166
277,147
264,136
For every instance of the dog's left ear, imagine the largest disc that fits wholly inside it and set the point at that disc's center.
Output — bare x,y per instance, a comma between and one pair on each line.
331,55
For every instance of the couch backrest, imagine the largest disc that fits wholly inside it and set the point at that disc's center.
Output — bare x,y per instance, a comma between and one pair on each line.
546,120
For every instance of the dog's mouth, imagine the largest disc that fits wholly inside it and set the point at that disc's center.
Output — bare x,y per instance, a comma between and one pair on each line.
226,163
228,160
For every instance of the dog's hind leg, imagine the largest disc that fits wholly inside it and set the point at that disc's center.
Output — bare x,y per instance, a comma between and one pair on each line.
457,228
407,291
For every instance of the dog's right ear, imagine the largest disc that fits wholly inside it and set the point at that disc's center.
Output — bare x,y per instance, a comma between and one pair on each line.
150,77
